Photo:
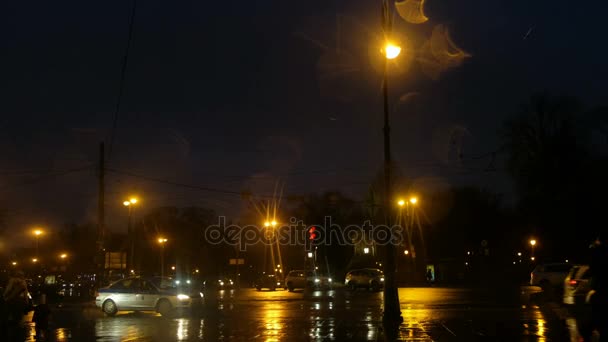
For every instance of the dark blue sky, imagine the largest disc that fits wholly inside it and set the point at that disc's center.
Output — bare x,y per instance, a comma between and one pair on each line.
232,94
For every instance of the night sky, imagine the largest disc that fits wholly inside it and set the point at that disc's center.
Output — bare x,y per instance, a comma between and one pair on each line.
233,94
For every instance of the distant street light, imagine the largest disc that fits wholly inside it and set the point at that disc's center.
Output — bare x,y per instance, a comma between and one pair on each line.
162,241
129,204
366,250
63,256
309,254
401,203
37,233
14,263
406,252
35,260
272,223
532,244
414,200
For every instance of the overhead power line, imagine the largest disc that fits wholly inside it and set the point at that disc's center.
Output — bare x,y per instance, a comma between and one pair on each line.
123,72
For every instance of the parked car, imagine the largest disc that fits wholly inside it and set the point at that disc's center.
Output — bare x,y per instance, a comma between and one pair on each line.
576,285
268,281
146,294
369,278
550,275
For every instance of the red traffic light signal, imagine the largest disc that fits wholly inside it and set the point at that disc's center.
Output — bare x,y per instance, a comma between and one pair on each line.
312,234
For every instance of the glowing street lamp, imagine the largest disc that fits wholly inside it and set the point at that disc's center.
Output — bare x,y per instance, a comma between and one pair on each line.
532,245
63,256
366,250
401,203
14,263
130,203
391,50
35,260
37,233
162,241
406,252
413,200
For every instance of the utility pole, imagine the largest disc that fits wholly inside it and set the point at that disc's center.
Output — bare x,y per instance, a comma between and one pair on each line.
101,216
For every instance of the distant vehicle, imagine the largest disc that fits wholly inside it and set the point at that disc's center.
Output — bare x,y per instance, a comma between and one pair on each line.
295,279
369,278
146,294
220,283
550,275
299,279
576,285
268,281
318,280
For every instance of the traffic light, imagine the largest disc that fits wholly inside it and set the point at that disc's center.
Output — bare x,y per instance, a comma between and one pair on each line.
312,233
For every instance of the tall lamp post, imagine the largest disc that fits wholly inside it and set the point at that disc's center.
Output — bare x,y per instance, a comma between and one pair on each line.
532,245
162,242
129,204
392,310
37,233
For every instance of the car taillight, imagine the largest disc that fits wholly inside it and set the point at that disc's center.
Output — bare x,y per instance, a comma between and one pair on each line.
573,282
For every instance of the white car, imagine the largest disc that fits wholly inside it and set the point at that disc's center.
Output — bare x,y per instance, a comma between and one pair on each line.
307,279
549,275
369,278
576,285
146,294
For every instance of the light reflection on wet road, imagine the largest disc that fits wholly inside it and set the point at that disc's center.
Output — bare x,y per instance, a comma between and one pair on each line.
429,314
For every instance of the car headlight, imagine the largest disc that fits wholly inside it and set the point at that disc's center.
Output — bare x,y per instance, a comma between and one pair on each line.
329,280
381,279
317,280
182,297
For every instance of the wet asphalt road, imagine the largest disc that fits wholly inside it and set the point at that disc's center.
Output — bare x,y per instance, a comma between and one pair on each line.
431,313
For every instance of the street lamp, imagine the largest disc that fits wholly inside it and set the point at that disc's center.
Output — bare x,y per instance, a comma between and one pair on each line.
392,310
532,245
162,241
37,233
129,203
391,50
413,200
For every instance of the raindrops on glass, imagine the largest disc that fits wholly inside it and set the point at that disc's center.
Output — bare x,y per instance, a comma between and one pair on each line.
412,11
440,53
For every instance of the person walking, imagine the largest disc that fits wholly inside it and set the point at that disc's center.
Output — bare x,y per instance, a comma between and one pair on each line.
16,297
597,298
